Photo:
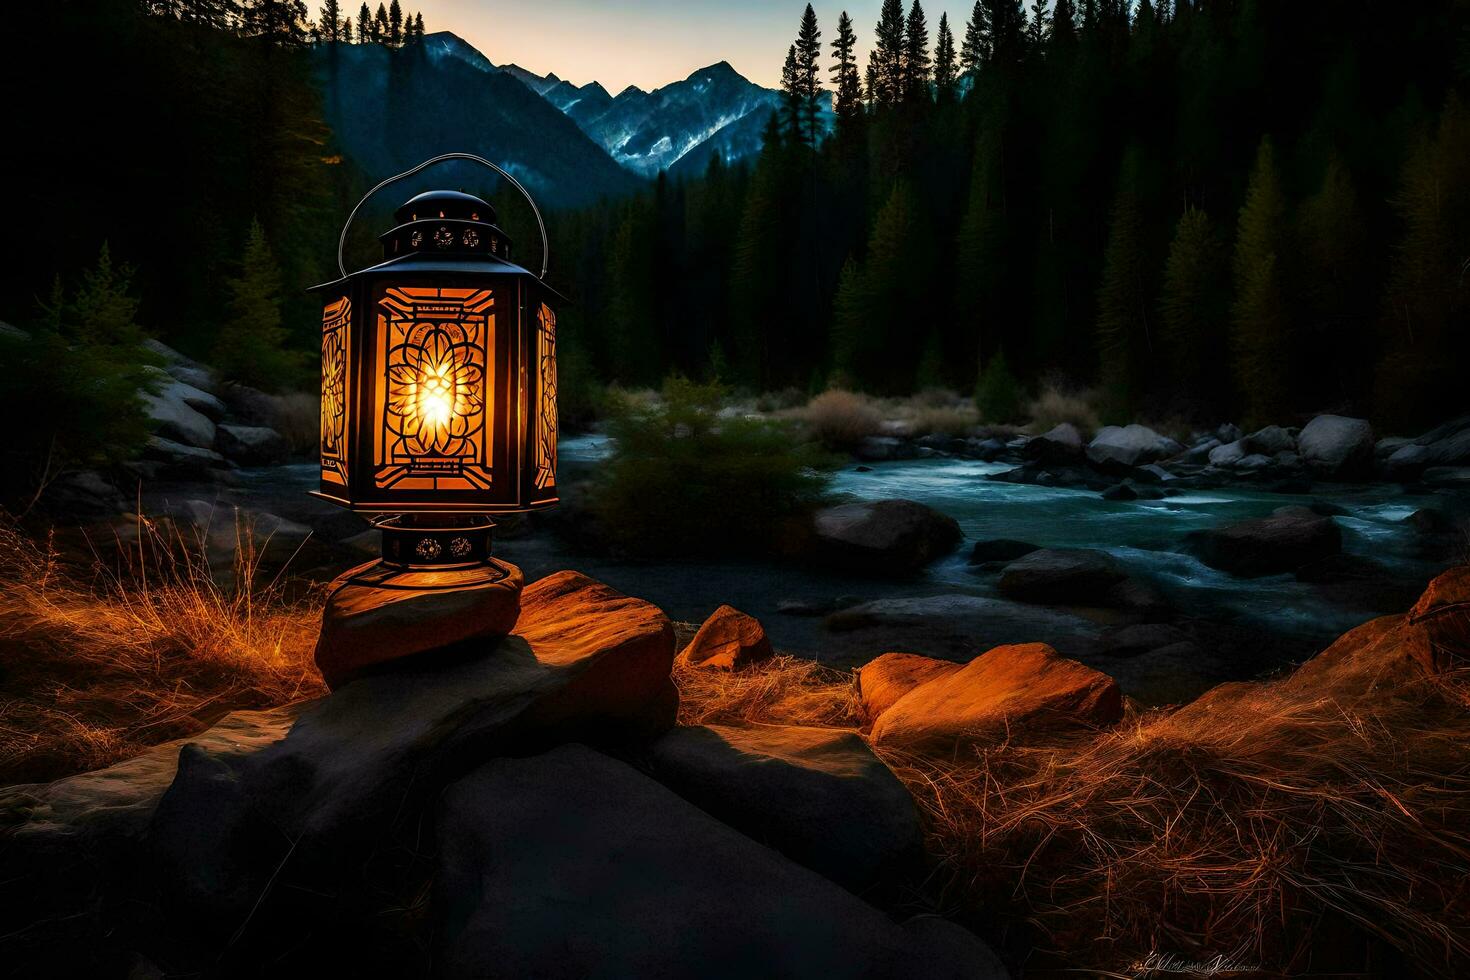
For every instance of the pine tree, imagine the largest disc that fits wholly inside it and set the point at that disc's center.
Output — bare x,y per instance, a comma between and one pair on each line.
917,66
251,345
395,25
1193,315
347,31
944,62
808,70
792,98
1331,246
877,346
283,22
418,26
1123,332
975,50
1007,20
886,87
1063,24
1036,33
364,25
380,25
1259,321
330,21
850,325
848,100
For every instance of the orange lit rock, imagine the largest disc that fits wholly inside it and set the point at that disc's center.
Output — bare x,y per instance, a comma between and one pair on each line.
728,640
883,681
1011,691
1444,613
366,625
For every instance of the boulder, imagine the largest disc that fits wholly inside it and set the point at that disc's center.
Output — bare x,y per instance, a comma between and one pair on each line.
1337,445
183,459
1269,441
1229,432
1200,451
173,418
358,765
573,865
1137,638
1120,492
1443,612
728,640
1287,539
1061,444
1011,692
366,624
1000,549
222,529
1124,447
1253,462
253,445
895,537
1228,454
1066,576
986,450
1450,449
818,796
884,680
958,624
199,377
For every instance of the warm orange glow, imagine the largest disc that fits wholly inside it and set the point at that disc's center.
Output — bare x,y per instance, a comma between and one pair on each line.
336,318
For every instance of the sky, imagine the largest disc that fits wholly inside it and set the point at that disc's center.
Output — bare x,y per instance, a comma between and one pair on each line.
655,42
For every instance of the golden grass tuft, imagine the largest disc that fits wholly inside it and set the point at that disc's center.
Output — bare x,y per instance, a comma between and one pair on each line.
103,662
1320,821
783,690
955,421
842,419
1054,405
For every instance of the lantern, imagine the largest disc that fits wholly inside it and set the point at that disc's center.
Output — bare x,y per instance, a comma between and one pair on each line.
439,383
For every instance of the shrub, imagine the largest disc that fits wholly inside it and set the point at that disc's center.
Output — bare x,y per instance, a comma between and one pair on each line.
998,394
251,345
74,383
684,482
1054,405
955,421
841,419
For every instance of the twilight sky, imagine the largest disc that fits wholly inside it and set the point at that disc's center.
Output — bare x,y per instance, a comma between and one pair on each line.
654,42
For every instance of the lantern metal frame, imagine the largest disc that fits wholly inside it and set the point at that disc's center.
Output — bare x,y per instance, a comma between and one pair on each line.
448,303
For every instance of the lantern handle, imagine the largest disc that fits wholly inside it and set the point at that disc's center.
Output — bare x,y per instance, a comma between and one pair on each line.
545,246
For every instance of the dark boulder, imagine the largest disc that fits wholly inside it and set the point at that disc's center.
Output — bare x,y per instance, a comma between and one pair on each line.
1287,539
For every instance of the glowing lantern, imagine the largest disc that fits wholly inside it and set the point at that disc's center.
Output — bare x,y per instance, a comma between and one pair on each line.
439,381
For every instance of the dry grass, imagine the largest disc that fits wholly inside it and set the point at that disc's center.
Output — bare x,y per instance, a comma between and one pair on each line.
955,421
1054,405
1321,821
151,651
784,690
842,419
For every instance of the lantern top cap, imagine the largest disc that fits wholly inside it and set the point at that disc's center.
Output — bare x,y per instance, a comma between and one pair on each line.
445,204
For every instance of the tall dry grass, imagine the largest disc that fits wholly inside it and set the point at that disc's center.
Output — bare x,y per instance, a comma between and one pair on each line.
104,661
783,690
841,419
1055,404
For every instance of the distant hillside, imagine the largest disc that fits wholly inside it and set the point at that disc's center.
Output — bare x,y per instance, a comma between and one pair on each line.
390,110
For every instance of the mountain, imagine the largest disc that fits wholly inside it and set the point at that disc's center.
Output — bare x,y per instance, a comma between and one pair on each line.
391,110
676,127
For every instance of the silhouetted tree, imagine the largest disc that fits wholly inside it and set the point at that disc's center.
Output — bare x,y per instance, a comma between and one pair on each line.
1259,319
848,94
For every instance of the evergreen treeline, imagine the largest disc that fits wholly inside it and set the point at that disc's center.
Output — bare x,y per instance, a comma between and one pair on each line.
1226,208
287,21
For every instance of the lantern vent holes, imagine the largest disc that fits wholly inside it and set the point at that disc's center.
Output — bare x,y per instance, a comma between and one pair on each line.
471,238
443,237
427,549
416,239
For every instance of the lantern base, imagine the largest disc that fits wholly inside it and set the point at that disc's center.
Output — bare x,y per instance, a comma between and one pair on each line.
431,542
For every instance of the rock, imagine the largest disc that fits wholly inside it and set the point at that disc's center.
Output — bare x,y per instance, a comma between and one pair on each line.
10,331
1229,432
1228,454
986,450
365,625
165,353
173,418
804,607
979,621
1451,450
1119,491
84,495
1061,444
1443,612
185,458
1157,472
358,765
1000,549
1130,641
573,865
728,640
878,449
1079,576
862,469
1337,445
884,680
203,402
1124,447
1447,477
1010,692
818,796
1200,451
198,377
1270,441
895,537
222,529
1253,462
1429,520
1387,446
253,445
1287,539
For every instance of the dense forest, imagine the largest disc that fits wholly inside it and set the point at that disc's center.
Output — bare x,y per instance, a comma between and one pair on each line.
1224,209
1228,208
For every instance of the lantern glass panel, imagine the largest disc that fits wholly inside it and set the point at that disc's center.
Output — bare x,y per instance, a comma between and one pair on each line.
336,327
